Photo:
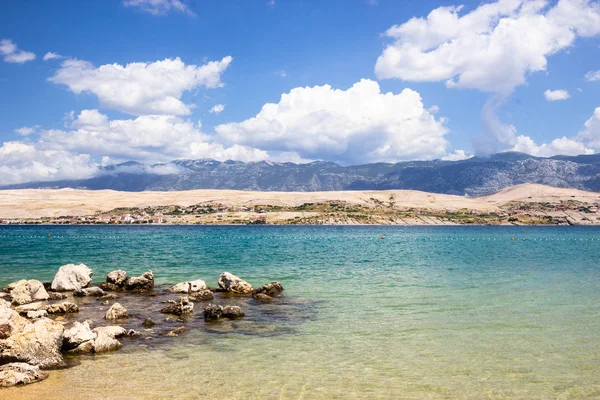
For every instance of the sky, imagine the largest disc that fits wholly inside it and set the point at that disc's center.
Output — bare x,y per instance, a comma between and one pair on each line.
94,83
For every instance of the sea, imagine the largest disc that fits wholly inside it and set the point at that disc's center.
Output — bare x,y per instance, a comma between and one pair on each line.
368,312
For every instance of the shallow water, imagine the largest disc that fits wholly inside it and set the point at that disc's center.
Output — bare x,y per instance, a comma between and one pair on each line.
428,312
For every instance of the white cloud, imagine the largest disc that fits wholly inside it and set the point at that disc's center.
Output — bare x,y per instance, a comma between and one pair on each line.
554,95
281,74
12,54
492,48
141,88
159,7
52,56
457,155
590,135
593,76
357,125
27,130
217,109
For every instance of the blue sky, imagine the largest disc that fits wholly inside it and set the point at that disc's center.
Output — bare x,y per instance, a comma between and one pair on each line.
406,80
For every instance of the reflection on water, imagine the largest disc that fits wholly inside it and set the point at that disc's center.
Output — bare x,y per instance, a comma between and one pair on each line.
438,313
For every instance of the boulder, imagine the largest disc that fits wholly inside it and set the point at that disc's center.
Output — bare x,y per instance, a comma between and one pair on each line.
72,277
109,296
117,278
263,298
113,331
23,310
232,283
62,308
79,338
18,373
142,283
23,292
271,289
148,322
213,312
176,331
106,338
37,343
184,306
10,322
36,314
189,287
110,287
233,312
202,295
91,291
116,311
56,296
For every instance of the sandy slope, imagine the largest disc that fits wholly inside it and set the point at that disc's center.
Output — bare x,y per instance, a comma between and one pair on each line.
33,203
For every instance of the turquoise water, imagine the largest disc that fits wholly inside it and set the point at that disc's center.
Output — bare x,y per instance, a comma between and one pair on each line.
428,312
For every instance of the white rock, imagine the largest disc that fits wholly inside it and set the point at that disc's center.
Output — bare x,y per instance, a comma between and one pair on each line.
36,343
14,374
23,292
78,335
72,277
116,311
232,283
189,287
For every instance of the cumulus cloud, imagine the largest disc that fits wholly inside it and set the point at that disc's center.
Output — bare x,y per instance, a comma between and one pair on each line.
360,124
159,7
491,48
27,130
593,76
52,56
12,54
590,135
555,95
141,88
457,155
217,109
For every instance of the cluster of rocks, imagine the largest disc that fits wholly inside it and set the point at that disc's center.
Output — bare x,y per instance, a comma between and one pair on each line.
33,339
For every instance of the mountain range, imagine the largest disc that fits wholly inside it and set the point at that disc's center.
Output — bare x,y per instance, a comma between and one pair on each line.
474,176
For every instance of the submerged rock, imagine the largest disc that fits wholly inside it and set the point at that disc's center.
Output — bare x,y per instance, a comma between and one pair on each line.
177,331
18,373
117,278
24,292
271,289
92,291
116,311
62,308
233,312
213,312
148,322
184,306
263,298
72,277
37,343
142,283
202,295
188,287
109,296
232,283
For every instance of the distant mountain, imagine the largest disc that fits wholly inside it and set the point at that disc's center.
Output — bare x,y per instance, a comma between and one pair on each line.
474,176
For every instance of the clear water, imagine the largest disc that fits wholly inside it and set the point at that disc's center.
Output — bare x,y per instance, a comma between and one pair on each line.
428,312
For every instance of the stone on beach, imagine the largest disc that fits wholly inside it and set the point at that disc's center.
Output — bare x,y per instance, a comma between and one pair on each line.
36,314
188,287
62,308
202,295
232,283
116,311
19,373
142,283
72,277
184,306
27,291
91,291
271,289
37,343
117,277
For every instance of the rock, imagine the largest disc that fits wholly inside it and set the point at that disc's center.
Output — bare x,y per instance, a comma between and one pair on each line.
23,292
92,291
148,322
213,312
104,342
18,373
37,343
113,331
4,294
271,289
62,308
4,304
23,310
10,322
133,333
109,287
37,314
79,338
56,296
233,312
263,298
202,295
188,287
109,296
184,306
232,283
72,277
117,278
116,311
141,283
176,331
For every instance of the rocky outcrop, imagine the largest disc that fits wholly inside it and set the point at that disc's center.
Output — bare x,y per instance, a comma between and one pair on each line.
184,306
10,321
24,292
91,291
37,343
106,338
142,283
72,277
116,311
214,312
271,289
234,284
18,373
36,314
189,287
79,338
233,312
56,296
117,277
202,295
62,308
